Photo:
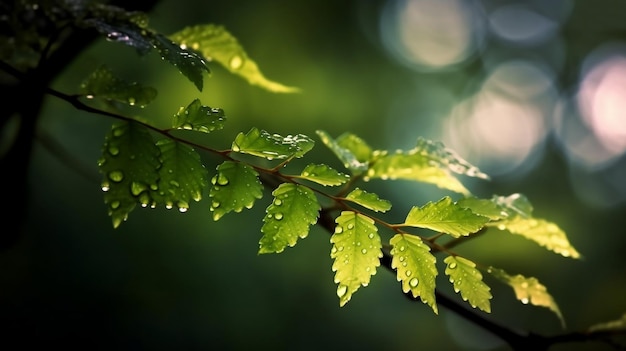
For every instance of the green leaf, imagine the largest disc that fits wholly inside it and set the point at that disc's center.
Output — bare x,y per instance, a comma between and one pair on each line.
428,162
182,176
324,175
347,156
447,217
357,146
190,64
217,44
288,218
272,146
199,118
356,251
515,204
542,232
368,200
528,290
103,84
235,186
415,267
468,280
618,324
129,162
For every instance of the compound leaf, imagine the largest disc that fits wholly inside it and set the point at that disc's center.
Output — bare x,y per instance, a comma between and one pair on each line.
447,217
542,232
345,154
182,176
272,146
356,251
217,44
130,161
468,280
199,118
103,84
428,162
235,186
415,267
368,200
289,216
528,290
324,175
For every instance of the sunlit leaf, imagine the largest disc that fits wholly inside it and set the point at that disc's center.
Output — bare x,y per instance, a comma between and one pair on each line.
483,207
356,251
288,218
468,280
345,155
445,216
324,175
190,64
515,204
618,324
103,84
528,290
542,232
272,146
129,162
368,200
415,267
199,118
235,186
182,176
429,162
357,146
216,44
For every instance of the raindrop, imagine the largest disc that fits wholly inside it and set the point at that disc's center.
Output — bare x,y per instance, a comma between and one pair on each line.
414,282
338,229
114,150
215,204
236,62
525,300
452,265
370,235
402,248
278,216
363,251
278,202
408,273
116,176
350,226
222,180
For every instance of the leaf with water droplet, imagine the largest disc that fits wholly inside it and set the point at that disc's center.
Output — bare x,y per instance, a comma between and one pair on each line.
136,162
235,186
368,200
199,118
189,63
410,254
260,143
288,218
469,282
528,290
354,268
445,216
182,176
429,162
324,175
102,83
354,160
543,232
217,44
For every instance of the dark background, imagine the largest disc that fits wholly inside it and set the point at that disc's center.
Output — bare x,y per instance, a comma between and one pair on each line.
166,280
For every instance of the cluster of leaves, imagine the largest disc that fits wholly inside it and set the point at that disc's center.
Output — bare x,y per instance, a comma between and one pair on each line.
139,169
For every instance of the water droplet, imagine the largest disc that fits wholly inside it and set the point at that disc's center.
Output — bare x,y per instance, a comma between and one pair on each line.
137,188
452,265
235,62
414,282
338,229
116,176
183,206
363,251
333,250
370,235
350,226
408,273
114,150
278,202
278,216
501,226
340,248
215,204
222,180
105,186
402,248
525,301
115,205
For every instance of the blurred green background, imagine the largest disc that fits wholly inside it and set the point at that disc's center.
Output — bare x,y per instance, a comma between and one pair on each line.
530,91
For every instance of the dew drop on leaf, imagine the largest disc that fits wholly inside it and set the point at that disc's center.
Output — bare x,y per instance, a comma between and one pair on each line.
338,229
278,216
414,282
236,62
116,176
350,226
408,272
452,265
363,251
114,150
524,301
278,202
342,290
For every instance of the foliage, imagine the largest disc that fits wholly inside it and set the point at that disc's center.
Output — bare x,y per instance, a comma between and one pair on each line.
150,167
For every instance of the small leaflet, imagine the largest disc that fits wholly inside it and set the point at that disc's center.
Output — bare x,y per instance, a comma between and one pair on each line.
618,324
129,164
199,118
359,148
103,84
368,200
272,146
235,186
468,280
528,290
190,64
215,43
356,252
542,232
324,175
182,176
447,217
415,267
347,156
293,210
